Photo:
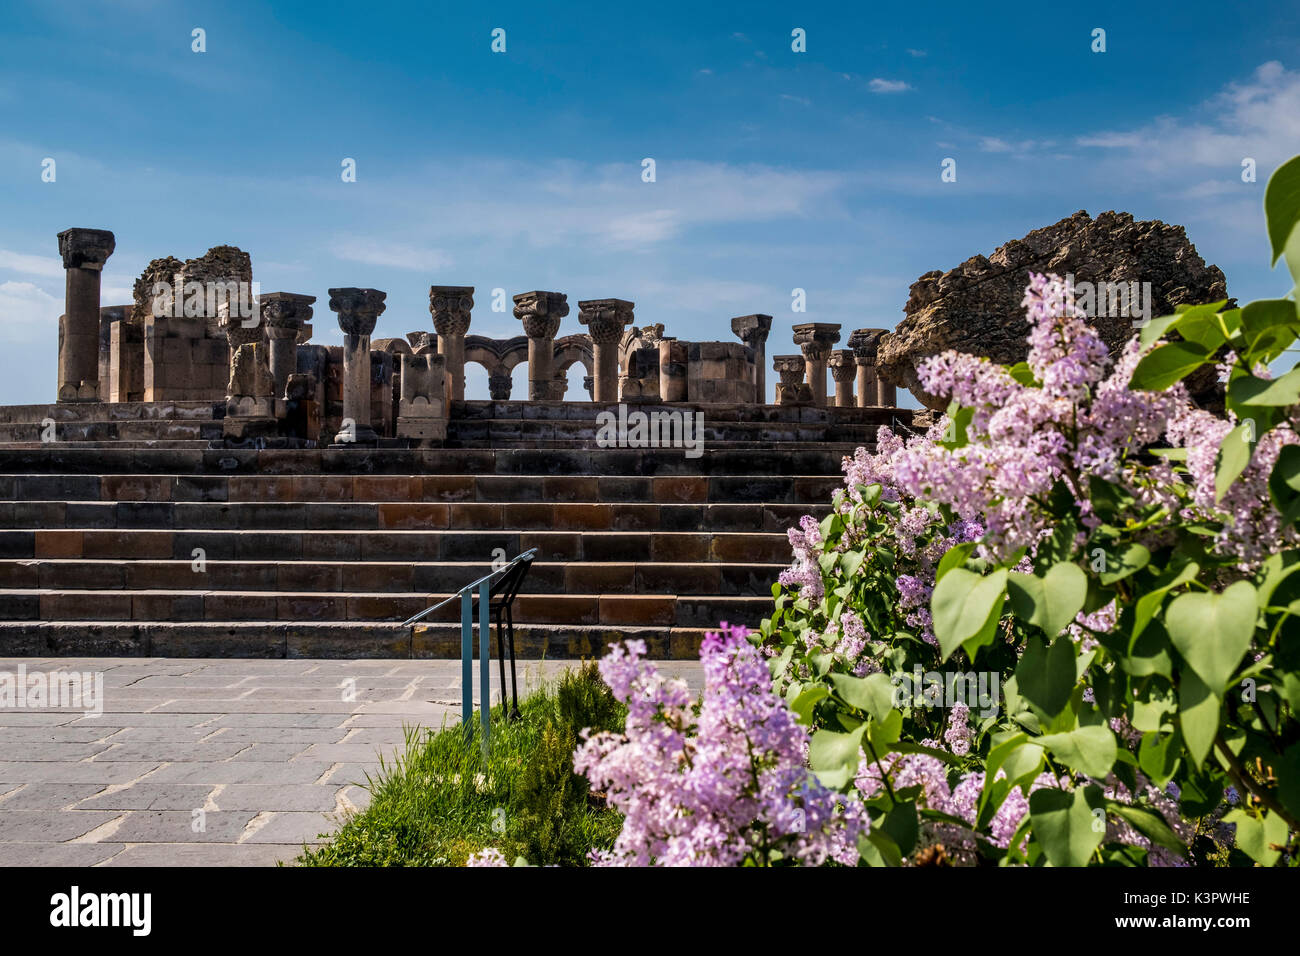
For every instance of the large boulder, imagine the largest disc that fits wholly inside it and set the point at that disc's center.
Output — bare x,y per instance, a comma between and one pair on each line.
975,307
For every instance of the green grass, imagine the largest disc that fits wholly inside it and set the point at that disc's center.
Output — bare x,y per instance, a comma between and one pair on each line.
438,803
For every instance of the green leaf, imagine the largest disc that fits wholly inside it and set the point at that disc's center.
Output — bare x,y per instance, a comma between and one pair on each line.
1051,601
1198,715
851,561
807,699
1022,373
1282,205
1234,456
833,756
1249,390
901,824
959,419
878,849
1257,837
873,694
883,734
1090,750
1167,364
1268,325
961,606
1150,825
1158,756
1062,824
1045,676
1120,562
952,558
1284,479
1156,328
1150,602
1213,631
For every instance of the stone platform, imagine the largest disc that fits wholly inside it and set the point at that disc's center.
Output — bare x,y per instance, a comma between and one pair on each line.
214,762
141,543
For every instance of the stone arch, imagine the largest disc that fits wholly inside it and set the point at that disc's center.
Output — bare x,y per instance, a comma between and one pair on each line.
568,350
499,357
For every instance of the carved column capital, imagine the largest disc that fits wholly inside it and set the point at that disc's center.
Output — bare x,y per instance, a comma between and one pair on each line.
285,313
816,338
86,248
752,329
842,365
606,318
790,368
358,309
450,306
541,312
864,343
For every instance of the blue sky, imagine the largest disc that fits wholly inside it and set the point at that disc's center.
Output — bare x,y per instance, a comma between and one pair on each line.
775,170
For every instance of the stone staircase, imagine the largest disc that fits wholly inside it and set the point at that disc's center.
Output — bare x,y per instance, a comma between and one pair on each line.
167,547
142,424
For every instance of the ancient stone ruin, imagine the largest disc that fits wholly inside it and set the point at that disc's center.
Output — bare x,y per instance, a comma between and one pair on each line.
211,481
1130,268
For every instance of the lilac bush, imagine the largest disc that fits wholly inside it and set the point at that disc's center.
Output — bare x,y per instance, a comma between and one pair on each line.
721,782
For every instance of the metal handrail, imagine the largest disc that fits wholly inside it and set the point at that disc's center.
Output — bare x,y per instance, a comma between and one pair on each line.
470,587
466,595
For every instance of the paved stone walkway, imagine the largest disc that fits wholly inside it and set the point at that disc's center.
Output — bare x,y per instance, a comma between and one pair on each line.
199,762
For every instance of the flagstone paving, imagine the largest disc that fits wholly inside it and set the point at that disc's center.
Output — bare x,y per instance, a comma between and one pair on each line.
198,762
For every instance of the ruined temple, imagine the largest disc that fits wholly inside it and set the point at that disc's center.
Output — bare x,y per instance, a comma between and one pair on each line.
211,481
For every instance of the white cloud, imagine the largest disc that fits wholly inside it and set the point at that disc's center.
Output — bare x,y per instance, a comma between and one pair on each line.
50,267
879,85
570,203
27,312
991,144
1259,119
802,101
916,53
377,252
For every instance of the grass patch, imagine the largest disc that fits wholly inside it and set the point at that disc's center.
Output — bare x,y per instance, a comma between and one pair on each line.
438,803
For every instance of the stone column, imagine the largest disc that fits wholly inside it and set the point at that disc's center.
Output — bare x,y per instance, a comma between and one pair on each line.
541,313
605,320
284,314
84,253
842,371
450,306
358,310
864,343
752,330
791,389
672,369
499,384
815,340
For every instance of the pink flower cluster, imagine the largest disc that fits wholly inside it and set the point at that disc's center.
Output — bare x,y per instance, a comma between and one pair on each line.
962,801
713,785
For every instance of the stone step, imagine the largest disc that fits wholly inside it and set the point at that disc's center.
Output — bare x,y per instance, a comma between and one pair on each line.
732,579
718,412
497,432
460,545
314,639
65,458
112,411
667,610
85,494
47,516
132,430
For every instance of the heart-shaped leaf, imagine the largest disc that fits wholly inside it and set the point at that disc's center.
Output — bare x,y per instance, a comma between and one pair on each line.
1089,750
1062,824
1046,676
834,757
1051,601
1213,631
961,605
